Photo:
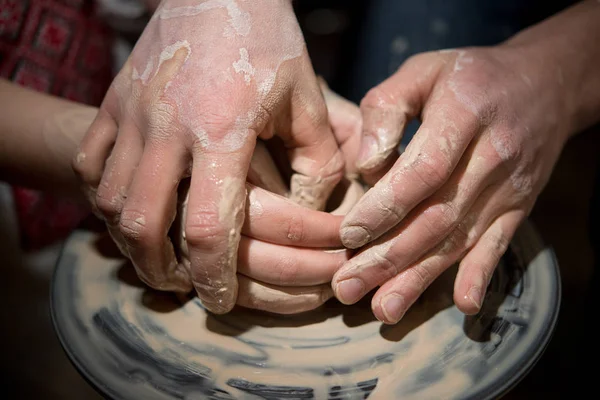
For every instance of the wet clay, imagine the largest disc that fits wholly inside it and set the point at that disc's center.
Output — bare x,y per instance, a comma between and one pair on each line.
132,342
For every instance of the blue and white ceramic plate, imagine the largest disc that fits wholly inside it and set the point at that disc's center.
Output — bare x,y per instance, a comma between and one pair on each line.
130,342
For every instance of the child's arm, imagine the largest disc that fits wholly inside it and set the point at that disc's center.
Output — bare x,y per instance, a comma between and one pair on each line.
39,135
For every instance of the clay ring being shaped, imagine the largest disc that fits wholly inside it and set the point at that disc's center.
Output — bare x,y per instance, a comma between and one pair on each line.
134,343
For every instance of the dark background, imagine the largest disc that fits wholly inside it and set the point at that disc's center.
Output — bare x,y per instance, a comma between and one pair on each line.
354,46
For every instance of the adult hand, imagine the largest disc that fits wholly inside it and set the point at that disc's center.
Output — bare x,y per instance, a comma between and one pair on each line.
205,80
491,130
288,253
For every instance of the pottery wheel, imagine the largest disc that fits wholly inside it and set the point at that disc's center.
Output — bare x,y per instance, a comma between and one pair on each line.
133,343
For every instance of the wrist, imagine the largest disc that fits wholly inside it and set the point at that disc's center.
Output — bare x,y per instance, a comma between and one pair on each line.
565,52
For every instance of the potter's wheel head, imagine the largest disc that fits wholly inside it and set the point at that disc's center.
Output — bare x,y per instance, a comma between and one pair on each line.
132,343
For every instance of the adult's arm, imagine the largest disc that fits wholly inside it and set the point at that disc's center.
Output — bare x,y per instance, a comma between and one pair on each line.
204,81
493,123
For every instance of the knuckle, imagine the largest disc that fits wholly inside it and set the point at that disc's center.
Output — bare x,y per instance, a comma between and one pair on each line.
387,267
377,97
218,126
161,121
135,227
419,278
218,123
294,229
504,144
204,228
442,216
109,202
389,209
432,169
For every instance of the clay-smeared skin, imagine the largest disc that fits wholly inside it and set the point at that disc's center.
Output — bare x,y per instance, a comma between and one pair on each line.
265,294
283,249
494,121
144,344
205,80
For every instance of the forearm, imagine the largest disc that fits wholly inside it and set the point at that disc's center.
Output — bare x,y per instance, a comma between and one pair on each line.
568,45
39,135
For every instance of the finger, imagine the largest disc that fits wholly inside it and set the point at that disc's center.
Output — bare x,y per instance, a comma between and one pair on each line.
288,266
118,173
407,286
314,153
275,219
263,172
213,222
281,300
426,226
477,268
112,190
346,123
428,162
395,296
148,213
89,161
388,107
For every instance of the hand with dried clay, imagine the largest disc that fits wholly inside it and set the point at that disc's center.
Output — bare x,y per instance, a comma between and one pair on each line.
493,123
289,253
205,80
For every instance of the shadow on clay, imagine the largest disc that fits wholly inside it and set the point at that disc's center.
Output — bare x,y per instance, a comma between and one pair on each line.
436,298
106,246
126,274
479,327
241,320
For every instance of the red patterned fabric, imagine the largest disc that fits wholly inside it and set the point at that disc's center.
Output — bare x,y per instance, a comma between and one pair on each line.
58,47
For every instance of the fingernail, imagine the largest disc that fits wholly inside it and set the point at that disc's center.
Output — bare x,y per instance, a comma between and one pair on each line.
354,237
218,306
216,300
393,307
350,290
369,148
474,295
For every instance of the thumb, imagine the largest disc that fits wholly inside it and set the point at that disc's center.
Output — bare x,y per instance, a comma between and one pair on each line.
388,107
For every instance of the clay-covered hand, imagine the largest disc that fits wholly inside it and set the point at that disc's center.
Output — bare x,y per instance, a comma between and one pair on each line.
491,130
286,260
205,80
289,253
